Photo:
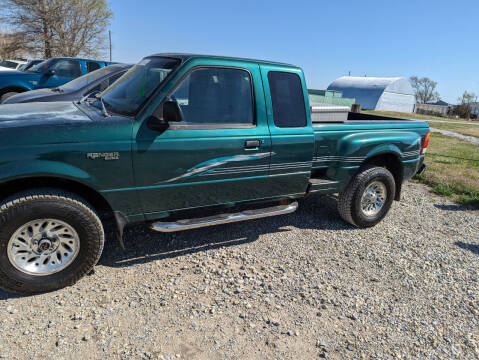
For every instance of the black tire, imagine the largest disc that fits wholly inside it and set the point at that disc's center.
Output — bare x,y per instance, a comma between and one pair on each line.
49,204
7,95
349,204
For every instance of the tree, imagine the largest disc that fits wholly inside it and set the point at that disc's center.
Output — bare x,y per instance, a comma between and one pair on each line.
10,46
59,27
464,109
424,89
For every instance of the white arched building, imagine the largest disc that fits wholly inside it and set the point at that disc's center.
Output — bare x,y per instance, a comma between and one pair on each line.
375,93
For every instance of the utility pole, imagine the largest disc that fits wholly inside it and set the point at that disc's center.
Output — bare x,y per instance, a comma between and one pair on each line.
349,73
109,36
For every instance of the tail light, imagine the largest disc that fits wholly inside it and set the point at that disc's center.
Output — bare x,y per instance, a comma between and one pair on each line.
425,143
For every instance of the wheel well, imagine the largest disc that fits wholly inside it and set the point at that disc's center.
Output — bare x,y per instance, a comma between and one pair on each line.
393,164
96,200
12,89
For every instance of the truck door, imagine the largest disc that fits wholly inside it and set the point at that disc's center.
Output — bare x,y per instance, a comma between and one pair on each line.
63,71
219,153
292,136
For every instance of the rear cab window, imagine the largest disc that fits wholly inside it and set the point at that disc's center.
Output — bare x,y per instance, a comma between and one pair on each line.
289,109
92,66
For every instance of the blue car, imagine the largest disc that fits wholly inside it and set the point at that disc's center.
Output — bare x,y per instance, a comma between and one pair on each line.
46,74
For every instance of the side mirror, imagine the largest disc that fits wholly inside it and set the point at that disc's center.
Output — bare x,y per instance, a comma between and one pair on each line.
157,124
50,72
172,111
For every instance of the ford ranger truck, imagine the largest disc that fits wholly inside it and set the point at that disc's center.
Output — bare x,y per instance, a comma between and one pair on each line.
182,142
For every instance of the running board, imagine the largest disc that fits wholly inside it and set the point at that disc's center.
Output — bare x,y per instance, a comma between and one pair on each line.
188,224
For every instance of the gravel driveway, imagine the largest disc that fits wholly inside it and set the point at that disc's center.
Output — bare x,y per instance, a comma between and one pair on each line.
299,286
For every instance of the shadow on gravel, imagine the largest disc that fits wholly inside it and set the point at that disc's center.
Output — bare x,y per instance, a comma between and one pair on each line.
144,245
471,247
454,207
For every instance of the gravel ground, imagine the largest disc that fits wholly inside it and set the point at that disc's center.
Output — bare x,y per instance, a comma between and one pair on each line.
299,286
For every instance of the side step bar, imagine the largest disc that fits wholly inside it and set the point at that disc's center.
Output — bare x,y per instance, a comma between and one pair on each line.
188,224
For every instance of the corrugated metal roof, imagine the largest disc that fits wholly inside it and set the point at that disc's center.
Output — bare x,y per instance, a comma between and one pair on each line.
377,92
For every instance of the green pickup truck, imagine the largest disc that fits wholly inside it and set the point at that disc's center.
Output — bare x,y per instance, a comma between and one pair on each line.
182,142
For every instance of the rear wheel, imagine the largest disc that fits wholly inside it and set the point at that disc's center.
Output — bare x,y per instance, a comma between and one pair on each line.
48,240
368,197
7,95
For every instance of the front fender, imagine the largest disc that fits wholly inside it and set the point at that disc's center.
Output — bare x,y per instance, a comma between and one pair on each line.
44,168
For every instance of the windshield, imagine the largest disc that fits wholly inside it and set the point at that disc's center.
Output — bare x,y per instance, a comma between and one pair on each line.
87,79
9,64
29,65
129,92
38,68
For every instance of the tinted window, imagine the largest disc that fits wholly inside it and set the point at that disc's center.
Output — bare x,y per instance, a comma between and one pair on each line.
92,66
67,68
107,82
114,78
289,109
37,68
216,96
9,64
87,79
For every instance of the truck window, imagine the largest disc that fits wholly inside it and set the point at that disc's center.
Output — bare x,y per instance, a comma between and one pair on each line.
67,68
216,96
92,66
287,97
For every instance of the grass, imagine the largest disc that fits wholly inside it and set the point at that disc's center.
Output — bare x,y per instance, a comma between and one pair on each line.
471,129
453,169
404,115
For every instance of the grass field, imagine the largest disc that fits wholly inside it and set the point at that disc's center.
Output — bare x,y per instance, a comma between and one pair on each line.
453,169
470,129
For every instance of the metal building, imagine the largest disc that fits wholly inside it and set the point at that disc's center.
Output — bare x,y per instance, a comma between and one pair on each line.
374,93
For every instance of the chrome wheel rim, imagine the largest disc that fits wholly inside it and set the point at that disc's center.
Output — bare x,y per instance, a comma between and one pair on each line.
43,247
373,198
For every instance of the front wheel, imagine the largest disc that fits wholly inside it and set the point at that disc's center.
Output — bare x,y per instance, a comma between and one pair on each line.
48,240
368,197
7,96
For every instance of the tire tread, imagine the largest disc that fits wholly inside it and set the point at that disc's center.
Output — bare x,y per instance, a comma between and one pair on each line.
13,204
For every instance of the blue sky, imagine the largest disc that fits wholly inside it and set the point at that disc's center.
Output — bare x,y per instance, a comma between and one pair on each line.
437,39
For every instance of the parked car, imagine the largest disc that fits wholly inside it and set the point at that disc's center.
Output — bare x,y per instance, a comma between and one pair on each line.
28,65
182,142
47,74
96,81
11,65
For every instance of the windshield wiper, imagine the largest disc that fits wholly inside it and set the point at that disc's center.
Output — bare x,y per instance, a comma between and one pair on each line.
103,107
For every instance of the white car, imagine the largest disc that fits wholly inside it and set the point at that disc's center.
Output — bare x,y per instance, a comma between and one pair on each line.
10,65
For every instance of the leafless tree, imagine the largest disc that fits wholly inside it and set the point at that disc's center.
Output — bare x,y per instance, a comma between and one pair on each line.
425,89
464,108
10,46
59,27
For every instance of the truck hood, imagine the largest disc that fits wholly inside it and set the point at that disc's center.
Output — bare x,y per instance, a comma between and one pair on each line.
40,114
31,96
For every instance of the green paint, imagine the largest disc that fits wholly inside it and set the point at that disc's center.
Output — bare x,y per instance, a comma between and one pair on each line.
160,173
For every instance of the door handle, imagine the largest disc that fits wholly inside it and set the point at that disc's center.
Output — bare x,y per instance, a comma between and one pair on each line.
252,144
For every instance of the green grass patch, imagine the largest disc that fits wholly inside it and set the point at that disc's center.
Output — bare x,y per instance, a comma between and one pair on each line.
445,190
453,169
